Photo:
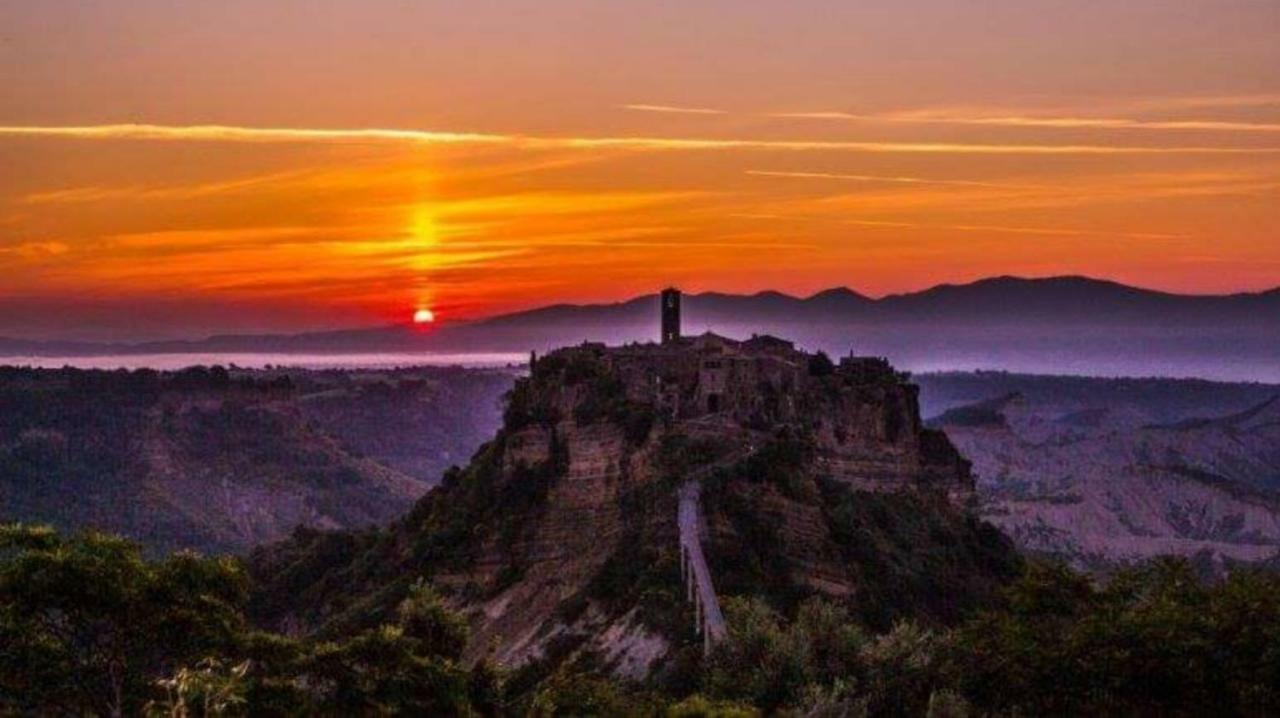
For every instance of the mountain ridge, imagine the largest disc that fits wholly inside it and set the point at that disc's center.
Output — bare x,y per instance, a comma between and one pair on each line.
1024,306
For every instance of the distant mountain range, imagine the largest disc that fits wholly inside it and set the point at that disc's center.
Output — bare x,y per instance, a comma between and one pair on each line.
1073,324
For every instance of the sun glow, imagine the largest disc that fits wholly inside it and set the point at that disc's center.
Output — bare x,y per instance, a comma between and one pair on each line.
424,316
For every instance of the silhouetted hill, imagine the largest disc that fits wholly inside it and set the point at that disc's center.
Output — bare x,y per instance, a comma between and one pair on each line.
561,541
1053,325
1078,300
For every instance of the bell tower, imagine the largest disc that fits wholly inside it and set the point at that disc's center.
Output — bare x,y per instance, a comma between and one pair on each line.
670,315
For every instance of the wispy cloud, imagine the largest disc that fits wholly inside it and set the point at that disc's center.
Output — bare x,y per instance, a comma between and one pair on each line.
881,178
1202,101
987,228
979,228
1000,229
105,194
672,109
1050,122
36,250
224,133
1085,193
230,133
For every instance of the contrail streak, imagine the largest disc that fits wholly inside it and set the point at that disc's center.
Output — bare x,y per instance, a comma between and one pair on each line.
225,133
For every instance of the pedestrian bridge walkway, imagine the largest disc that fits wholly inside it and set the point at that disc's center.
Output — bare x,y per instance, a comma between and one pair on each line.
708,620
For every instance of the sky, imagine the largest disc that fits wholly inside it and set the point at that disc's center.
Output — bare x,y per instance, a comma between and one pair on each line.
184,169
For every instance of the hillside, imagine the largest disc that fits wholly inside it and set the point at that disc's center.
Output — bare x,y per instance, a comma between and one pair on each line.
1107,471
222,461
559,540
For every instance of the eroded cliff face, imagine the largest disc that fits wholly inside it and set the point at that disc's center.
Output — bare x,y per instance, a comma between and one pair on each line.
559,541
220,461
1108,485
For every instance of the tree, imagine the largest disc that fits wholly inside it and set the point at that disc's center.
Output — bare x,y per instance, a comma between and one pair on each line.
86,624
821,365
425,619
90,627
212,688
760,661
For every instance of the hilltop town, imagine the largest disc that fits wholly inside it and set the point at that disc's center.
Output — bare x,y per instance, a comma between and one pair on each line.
863,415
629,484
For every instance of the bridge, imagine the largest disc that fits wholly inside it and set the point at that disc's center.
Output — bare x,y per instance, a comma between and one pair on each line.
708,620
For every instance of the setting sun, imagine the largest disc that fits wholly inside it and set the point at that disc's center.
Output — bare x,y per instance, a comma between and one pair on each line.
424,316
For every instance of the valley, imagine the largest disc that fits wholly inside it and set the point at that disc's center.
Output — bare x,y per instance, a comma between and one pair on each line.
221,461
1102,472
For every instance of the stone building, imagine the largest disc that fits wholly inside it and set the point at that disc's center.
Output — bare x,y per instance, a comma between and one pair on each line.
863,415
670,315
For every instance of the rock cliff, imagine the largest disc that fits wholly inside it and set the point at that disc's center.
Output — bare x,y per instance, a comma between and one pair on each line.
559,539
1102,483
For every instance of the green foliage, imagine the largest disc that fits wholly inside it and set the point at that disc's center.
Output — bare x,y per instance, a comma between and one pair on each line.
644,569
529,404
86,622
913,555
336,582
697,706
606,399
382,671
900,671
823,662
1155,640
600,396
755,562
211,688
782,462
821,365
947,704
681,456
88,626
578,695
761,662
532,401
438,630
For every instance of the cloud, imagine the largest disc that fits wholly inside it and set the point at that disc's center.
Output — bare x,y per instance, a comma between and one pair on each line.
1201,101
985,228
229,133
225,133
1000,229
671,109
880,178
36,250
1049,122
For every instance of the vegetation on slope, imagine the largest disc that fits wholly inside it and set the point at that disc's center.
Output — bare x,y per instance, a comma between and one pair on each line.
910,554
218,459
1154,641
89,626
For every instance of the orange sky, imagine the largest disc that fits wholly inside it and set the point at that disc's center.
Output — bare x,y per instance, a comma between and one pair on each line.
179,169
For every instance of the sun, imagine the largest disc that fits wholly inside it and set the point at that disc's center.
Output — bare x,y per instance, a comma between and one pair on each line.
424,316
